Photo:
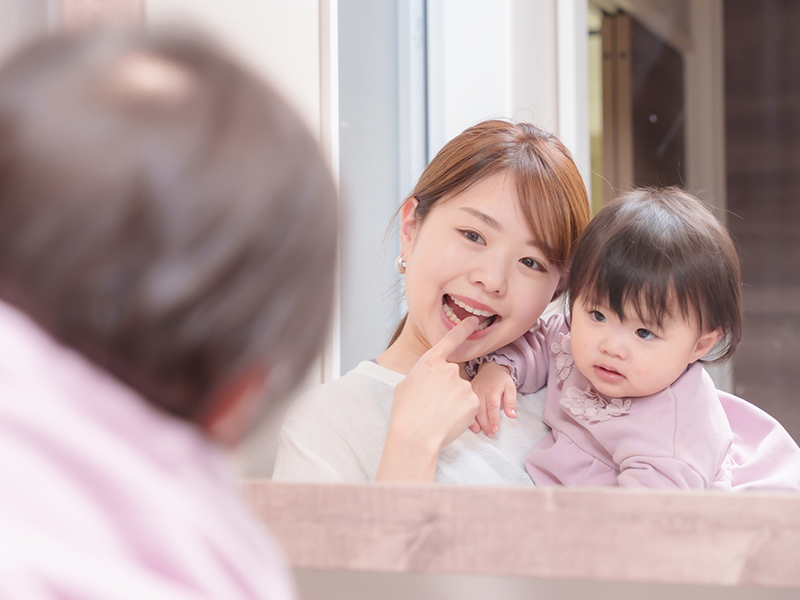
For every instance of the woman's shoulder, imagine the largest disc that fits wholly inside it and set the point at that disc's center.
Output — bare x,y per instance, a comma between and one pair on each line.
367,385
367,377
335,431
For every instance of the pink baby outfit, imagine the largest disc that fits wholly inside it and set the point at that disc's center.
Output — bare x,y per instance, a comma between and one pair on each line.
689,435
103,496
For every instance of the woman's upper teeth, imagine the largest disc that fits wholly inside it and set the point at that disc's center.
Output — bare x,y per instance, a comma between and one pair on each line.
474,311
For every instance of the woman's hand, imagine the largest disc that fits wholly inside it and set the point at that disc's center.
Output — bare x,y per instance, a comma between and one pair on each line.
432,406
495,388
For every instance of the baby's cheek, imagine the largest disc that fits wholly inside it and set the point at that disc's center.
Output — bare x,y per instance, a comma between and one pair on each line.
579,355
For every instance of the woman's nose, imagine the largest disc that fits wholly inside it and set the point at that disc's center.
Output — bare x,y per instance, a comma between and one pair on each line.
490,272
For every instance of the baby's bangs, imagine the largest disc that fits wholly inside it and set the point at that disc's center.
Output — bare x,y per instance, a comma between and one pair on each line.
624,281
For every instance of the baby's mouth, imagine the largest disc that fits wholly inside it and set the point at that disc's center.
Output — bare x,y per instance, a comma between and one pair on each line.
457,311
608,371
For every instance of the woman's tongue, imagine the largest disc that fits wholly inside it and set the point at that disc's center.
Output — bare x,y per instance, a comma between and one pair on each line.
459,312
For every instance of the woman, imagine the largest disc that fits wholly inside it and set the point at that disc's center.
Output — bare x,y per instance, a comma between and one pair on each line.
487,231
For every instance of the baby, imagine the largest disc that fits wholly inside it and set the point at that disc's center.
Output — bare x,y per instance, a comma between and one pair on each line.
654,290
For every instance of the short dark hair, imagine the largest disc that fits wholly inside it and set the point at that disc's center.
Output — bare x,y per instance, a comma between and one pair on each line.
655,248
163,211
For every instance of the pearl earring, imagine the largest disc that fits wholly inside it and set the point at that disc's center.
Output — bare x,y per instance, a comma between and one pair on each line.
400,264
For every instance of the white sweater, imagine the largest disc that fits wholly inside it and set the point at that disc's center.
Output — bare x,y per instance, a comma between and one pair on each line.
336,433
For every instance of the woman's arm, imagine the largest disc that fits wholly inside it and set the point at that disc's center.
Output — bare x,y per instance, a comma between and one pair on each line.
432,406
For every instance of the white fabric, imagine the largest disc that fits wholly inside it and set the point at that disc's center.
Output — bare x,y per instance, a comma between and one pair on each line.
336,432
103,496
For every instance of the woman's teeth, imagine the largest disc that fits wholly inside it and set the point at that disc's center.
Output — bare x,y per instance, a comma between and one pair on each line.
486,315
475,311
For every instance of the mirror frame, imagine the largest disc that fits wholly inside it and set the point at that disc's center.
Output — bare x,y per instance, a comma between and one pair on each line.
713,538
602,534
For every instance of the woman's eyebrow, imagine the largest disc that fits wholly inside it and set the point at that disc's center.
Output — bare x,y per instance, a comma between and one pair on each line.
483,216
495,225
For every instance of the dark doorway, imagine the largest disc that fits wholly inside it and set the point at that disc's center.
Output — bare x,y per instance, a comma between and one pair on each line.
643,107
762,111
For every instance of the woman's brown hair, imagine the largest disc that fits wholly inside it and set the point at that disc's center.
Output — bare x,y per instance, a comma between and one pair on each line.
549,187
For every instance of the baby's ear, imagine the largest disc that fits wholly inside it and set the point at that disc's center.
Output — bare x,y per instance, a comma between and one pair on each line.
705,343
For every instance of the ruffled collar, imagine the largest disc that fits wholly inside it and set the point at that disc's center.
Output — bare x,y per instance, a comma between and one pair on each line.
586,404
591,406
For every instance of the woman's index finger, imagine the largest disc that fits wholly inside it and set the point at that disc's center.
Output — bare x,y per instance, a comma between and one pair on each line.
454,338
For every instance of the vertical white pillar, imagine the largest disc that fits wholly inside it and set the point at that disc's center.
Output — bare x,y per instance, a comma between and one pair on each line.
573,82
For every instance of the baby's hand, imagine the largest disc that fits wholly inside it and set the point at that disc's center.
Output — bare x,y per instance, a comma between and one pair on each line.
494,387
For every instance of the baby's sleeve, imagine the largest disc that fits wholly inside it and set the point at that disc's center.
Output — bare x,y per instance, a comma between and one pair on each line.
657,472
527,357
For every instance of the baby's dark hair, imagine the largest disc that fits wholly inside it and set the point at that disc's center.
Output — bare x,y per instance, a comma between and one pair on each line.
655,249
164,212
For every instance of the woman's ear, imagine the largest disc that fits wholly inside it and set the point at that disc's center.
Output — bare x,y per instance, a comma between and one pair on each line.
705,344
408,226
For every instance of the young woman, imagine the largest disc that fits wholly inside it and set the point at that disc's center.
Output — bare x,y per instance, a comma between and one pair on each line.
484,238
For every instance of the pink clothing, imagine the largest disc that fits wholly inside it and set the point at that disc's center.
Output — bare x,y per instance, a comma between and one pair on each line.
689,435
103,496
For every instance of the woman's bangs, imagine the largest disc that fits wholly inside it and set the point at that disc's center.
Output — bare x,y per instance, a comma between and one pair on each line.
545,218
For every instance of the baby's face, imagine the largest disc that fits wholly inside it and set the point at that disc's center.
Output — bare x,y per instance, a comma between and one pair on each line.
629,358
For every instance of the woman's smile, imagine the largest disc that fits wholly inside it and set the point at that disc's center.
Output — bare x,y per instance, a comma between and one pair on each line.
456,310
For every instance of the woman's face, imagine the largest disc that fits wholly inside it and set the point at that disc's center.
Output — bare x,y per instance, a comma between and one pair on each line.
473,254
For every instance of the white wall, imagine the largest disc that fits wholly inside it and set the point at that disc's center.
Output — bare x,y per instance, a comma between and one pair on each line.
278,39
21,20
469,66
490,59
519,59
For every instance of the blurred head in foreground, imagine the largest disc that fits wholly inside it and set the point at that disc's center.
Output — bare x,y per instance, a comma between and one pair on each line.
168,215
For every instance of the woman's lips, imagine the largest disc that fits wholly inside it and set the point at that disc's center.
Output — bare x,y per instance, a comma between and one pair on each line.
468,306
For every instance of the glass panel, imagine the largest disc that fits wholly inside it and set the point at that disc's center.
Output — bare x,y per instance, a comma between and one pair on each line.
758,52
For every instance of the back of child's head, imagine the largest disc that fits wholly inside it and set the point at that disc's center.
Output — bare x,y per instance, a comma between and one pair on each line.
164,212
663,254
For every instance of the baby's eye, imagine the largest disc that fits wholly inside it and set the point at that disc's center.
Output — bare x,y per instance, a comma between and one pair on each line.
598,316
532,263
472,236
645,334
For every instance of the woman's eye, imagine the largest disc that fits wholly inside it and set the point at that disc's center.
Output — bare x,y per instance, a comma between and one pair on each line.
645,334
532,263
598,316
472,236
